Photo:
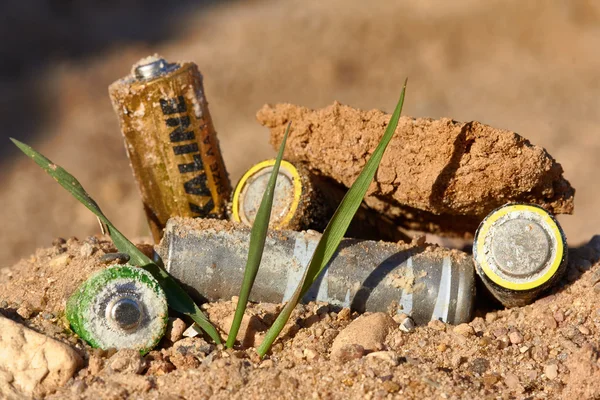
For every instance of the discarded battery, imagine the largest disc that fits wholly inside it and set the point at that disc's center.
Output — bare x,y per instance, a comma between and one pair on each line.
304,201
119,307
295,204
171,142
519,250
425,282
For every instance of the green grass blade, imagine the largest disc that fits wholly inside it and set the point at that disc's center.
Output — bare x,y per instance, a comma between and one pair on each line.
258,236
177,298
336,228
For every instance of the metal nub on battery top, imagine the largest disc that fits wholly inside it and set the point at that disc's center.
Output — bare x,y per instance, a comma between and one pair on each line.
249,192
519,251
122,307
153,67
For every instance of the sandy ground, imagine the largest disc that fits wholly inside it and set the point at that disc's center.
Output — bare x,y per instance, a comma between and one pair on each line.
544,350
521,67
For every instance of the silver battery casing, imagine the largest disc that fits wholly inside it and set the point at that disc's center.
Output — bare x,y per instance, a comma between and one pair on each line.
426,282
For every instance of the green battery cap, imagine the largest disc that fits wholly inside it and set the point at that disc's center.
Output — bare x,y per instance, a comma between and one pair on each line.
119,307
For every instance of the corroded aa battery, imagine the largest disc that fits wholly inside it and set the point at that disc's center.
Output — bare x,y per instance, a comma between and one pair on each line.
171,142
425,282
519,250
120,307
296,203
303,201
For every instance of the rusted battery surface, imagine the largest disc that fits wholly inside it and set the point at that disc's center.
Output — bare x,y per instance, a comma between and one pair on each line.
171,141
426,282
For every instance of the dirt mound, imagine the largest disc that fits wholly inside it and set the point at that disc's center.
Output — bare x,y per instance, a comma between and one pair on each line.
441,176
546,349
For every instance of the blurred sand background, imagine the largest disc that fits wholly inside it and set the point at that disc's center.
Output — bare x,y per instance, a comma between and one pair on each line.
532,67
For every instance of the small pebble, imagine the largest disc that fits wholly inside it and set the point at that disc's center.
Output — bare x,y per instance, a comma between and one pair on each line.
266,364
86,250
310,354
491,317
512,381
478,324
78,387
175,329
485,341
25,312
442,347
4,304
457,360
193,331
391,386
408,325
549,321
344,315
47,315
504,341
464,330
523,349
498,332
480,365
298,353
559,316
551,371
515,337
400,317
418,240
388,356
92,240
127,361
437,325
60,261
583,330
111,258
490,379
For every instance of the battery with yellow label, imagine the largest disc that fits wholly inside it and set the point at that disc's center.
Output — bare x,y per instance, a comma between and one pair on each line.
519,251
171,142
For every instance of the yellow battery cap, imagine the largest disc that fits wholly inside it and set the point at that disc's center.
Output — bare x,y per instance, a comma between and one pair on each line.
288,194
519,247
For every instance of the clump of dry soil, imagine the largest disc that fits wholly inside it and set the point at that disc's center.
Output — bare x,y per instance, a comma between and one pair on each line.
544,350
441,176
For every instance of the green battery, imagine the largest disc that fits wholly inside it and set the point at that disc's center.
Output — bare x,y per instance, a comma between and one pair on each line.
119,307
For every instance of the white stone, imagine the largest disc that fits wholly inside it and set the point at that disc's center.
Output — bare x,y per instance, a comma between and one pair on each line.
33,363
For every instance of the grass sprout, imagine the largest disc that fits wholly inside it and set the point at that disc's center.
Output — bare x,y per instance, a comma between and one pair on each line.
335,230
177,298
258,236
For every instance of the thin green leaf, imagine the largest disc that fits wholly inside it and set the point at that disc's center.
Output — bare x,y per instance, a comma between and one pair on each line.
177,298
336,229
258,236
